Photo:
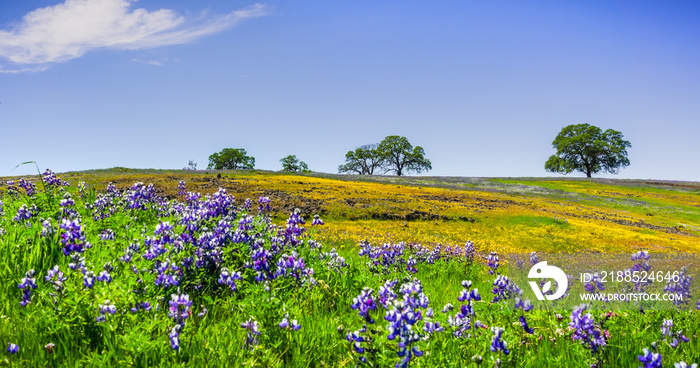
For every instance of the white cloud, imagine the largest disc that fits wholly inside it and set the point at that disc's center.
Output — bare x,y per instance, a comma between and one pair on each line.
67,31
23,70
149,62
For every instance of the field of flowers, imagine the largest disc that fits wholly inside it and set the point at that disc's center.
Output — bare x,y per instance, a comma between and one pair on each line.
264,269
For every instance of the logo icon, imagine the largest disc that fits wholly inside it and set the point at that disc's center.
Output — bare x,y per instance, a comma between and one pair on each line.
543,271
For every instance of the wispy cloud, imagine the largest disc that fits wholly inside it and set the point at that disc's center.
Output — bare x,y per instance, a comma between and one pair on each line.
22,70
148,62
69,30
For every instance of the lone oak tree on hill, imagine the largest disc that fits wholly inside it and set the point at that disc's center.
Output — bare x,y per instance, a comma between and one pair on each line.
588,149
231,159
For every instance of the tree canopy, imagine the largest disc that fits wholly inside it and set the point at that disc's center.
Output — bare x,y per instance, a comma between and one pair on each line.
393,154
231,159
400,156
292,164
588,149
363,160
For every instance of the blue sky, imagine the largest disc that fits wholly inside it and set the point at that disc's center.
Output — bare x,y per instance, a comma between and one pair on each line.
483,87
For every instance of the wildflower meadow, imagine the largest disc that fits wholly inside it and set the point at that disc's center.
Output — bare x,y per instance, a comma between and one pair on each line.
94,273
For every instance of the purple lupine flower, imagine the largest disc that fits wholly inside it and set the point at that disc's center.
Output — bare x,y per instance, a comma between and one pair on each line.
467,295
523,304
167,274
192,197
76,262
72,237
684,365
641,258
67,205
27,283
317,221
432,327
107,235
500,288
469,251
56,278
46,229
260,263
23,214
461,322
12,348
28,187
493,263
680,287
228,278
252,332
534,258
103,207
448,308
51,180
106,308
526,328
203,312
179,307
402,318
293,325
291,265
247,204
145,306
595,284
245,223
497,342
130,252
669,335
364,303
334,261
585,329
649,359
88,279
181,188
174,337
264,204
666,327
105,274
139,196
356,339
411,265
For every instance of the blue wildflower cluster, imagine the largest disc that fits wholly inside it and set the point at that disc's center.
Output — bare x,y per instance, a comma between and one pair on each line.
641,260
650,359
188,244
27,284
680,287
492,263
671,336
586,330
461,322
389,258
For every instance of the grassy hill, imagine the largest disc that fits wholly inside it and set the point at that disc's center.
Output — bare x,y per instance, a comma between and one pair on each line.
502,214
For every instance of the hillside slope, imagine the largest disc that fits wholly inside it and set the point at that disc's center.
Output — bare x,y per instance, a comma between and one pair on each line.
514,214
